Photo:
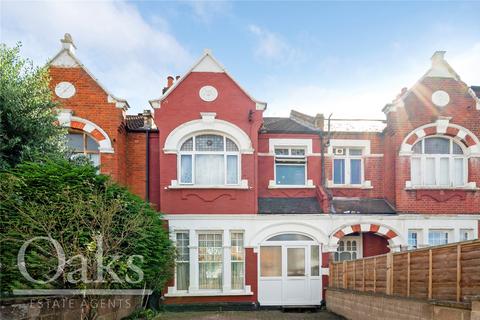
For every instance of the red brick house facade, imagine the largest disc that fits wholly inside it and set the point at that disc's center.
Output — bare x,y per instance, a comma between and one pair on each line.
258,205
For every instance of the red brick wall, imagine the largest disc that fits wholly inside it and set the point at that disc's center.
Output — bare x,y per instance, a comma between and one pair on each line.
374,245
136,163
90,102
232,105
418,111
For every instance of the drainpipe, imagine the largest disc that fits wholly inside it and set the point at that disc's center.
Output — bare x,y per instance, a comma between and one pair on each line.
147,168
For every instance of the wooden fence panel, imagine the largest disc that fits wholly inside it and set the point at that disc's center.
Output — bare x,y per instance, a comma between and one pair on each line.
450,273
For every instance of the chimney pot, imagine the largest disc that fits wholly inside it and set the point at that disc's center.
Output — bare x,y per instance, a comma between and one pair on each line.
177,78
67,43
169,81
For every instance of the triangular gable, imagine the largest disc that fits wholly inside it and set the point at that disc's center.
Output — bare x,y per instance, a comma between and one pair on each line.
206,63
67,59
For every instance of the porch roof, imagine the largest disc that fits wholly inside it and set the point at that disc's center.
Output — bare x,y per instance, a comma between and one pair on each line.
342,205
307,205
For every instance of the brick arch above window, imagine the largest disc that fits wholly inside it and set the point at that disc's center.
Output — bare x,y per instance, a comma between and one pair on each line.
442,127
388,233
66,120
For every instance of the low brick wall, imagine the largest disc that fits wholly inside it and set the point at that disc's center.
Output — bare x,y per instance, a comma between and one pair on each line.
67,308
373,306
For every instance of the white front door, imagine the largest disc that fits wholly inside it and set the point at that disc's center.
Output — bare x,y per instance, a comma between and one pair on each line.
289,273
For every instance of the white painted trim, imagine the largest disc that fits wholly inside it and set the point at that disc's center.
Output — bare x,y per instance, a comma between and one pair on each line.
208,293
367,184
273,185
306,143
175,185
207,124
365,144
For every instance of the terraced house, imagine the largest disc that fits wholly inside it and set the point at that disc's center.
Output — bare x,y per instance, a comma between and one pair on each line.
257,206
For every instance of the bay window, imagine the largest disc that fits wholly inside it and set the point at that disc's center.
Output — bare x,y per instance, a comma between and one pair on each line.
210,260
438,237
290,166
209,159
347,166
438,162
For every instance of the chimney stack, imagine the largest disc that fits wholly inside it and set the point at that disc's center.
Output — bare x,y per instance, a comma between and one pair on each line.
67,43
147,119
438,58
169,81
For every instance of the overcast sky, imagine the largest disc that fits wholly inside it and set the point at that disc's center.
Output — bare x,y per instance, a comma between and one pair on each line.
349,58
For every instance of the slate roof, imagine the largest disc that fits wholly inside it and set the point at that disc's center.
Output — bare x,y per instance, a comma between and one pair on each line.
288,206
361,206
134,122
284,125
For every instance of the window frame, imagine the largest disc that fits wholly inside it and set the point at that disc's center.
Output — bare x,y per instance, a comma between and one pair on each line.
292,158
346,158
221,262
85,151
193,153
447,232
232,232
359,246
451,156
188,262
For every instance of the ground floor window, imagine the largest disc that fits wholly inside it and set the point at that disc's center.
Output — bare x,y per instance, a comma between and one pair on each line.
237,260
412,239
348,249
437,237
183,258
210,260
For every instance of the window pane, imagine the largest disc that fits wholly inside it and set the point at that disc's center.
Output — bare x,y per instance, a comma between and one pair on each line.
183,275
75,141
458,172
94,158
456,148
437,146
186,169
417,148
339,171
298,152
444,172
295,262
412,239
237,275
430,172
209,142
237,258
183,258
231,146
281,151
271,261
416,173
92,145
290,237
290,174
210,257
436,238
232,169
355,171
315,260
355,152
187,145
209,169
345,256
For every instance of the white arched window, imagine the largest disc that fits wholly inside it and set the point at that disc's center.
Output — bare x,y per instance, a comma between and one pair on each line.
438,162
209,159
81,144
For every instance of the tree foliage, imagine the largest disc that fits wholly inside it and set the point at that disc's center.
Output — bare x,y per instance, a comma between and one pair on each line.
27,112
74,205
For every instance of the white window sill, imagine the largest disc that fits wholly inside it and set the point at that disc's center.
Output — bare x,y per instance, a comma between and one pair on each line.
471,186
367,184
273,185
175,185
209,293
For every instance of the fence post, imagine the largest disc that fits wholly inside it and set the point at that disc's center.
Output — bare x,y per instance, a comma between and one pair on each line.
363,274
374,274
408,274
459,271
330,274
354,273
389,275
345,280
430,273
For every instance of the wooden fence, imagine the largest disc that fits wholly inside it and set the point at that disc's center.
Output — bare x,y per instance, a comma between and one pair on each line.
449,272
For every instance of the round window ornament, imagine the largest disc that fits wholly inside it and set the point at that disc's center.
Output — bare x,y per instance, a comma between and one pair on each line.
208,93
440,98
65,90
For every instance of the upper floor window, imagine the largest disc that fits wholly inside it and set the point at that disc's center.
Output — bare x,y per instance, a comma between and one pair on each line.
82,144
438,162
209,159
290,166
347,166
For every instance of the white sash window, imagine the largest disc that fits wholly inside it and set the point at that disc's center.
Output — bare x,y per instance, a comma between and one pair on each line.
438,162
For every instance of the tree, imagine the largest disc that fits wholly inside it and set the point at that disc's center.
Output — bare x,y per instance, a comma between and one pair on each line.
86,213
27,112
